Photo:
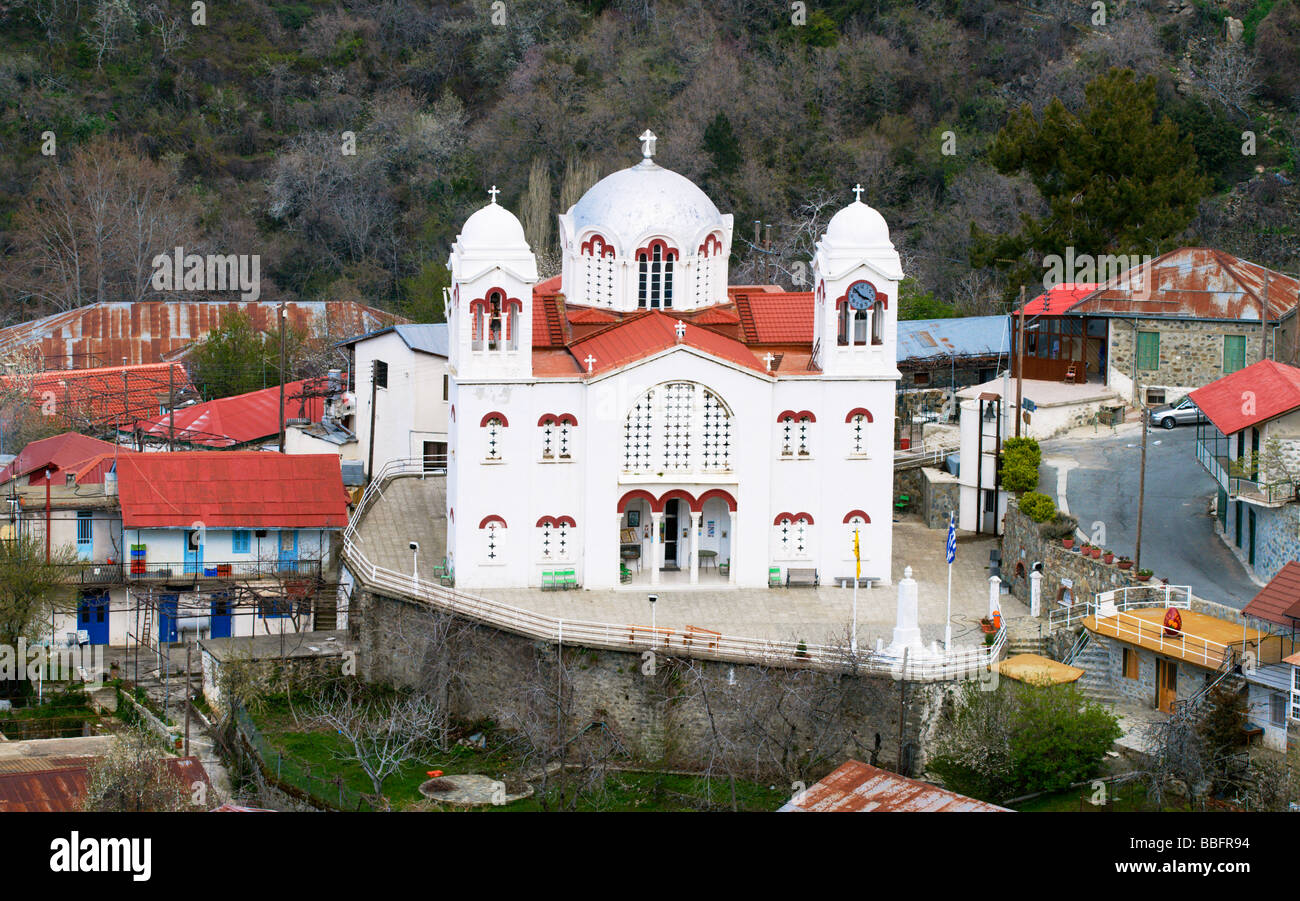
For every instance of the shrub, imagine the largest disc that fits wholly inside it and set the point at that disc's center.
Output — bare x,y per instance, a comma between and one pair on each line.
1062,525
1020,460
1038,507
1023,447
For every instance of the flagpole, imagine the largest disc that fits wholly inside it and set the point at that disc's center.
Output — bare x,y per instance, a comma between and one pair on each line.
947,629
853,637
950,549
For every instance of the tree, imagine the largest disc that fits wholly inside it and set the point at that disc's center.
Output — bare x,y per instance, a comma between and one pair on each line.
1116,178
234,358
722,146
914,303
133,777
32,589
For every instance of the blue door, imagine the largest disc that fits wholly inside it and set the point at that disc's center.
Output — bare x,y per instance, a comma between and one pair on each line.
167,604
289,550
193,552
221,616
92,615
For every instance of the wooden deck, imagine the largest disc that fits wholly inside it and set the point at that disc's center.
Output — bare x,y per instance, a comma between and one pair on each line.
1036,669
1202,639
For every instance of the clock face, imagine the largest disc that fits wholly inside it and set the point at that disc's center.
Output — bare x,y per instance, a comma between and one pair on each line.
862,295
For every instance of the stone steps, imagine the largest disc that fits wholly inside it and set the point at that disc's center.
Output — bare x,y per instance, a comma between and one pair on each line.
1095,682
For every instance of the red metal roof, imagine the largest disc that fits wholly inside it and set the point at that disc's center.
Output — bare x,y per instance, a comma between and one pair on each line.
109,395
104,334
60,452
1278,602
1249,396
1058,299
1194,283
230,421
857,787
233,489
648,333
63,790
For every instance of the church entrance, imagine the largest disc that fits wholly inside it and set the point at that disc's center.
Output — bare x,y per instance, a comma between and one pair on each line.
671,531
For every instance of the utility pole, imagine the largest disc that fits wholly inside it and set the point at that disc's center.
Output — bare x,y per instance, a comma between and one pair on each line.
282,323
171,406
188,646
48,473
1020,361
374,396
1142,489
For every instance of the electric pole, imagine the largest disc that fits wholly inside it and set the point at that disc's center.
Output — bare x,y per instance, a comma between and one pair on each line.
1142,489
1020,361
282,321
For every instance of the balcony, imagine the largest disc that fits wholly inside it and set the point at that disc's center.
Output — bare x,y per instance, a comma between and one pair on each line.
223,571
92,573
1210,452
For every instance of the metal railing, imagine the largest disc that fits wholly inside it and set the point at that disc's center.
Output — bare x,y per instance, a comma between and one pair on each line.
693,642
92,573
1243,487
922,456
153,570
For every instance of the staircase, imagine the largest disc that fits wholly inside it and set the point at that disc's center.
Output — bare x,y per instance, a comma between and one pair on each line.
1025,636
1095,682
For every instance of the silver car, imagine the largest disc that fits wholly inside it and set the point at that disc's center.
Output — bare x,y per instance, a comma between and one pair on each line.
1180,412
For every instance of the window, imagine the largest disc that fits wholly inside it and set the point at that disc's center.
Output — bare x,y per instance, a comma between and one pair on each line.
857,421
598,266
1130,663
1234,353
878,322
381,374
1155,397
494,425
557,435
857,521
796,433
555,540
1148,350
793,535
446,387
705,263
655,276
84,518
920,378
493,528
677,426
240,541
1277,709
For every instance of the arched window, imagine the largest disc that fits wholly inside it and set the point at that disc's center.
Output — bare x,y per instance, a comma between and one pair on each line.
557,435
856,520
796,433
598,270
555,538
679,426
494,425
655,276
493,528
793,536
706,269
858,420
476,313
878,322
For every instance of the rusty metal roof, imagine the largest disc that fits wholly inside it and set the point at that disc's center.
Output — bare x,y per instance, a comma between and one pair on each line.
1193,283
104,334
61,790
857,787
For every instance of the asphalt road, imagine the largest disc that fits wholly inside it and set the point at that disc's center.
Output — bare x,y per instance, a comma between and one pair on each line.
1178,539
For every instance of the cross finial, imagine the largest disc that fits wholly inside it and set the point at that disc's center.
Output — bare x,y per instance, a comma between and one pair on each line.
768,360
857,193
494,192
591,362
680,329
648,144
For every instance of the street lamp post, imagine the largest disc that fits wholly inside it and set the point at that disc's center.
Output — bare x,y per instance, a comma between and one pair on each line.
415,561
654,631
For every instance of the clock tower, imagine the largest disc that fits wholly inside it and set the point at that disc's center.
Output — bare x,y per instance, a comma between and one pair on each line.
856,271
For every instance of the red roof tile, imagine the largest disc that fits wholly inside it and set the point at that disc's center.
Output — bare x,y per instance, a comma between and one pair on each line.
1279,601
649,333
234,489
717,316
230,421
587,315
1273,389
771,317
1058,299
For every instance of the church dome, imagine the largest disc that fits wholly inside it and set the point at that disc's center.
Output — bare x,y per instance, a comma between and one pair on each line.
858,225
644,199
492,227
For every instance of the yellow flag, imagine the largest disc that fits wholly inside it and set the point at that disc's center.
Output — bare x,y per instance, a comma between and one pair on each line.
857,556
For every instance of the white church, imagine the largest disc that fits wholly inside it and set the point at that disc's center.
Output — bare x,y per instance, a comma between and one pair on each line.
637,420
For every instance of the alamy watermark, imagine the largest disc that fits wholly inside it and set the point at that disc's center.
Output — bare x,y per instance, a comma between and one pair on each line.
1123,270
179,271
38,663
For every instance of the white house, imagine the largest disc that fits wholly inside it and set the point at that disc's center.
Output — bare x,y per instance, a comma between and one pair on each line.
636,419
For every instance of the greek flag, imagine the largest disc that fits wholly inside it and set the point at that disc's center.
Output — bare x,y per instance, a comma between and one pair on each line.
952,537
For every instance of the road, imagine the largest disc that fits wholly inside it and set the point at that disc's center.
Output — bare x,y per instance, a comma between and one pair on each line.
1178,538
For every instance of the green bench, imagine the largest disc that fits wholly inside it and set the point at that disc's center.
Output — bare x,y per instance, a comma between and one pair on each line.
774,577
560,578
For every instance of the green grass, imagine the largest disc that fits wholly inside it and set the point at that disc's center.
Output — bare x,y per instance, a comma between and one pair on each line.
1125,798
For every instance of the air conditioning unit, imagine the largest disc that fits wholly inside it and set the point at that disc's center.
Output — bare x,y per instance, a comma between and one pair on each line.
346,404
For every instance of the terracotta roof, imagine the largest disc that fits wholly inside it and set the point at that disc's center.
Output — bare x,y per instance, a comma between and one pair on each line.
152,331
1276,390
1058,299
230,421
586,315
108,395
648,333
776,317
60,451
717,316
857,787
1278,602
235,489
1193,283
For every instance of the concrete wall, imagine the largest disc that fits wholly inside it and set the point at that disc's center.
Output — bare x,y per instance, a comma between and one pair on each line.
660,716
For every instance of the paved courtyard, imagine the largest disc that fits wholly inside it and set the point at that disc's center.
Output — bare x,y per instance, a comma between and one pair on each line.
411,510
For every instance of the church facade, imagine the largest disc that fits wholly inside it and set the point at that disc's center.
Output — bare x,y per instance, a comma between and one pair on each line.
637,420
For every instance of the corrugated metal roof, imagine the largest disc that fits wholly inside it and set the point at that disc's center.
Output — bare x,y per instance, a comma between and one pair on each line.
60,451
1275,388
153,331
1278,602
234,489
857,787
1058,299
62,790
230,421
964,336
108,395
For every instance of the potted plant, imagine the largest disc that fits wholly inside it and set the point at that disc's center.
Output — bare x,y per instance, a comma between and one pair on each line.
1143,575
1108,556
987,627
1125,563
1095,552
989,638
1067,543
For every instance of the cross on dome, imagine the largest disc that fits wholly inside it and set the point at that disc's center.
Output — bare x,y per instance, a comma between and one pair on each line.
680,329
493,193
590,361
857,192
648,143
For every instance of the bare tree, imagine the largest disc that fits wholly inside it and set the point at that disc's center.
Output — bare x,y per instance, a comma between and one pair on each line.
1228,75
134,777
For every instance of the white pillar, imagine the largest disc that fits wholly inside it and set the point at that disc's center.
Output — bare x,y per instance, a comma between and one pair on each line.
995,588
656,520
907,633
619,533
695,546
733,518
1035,593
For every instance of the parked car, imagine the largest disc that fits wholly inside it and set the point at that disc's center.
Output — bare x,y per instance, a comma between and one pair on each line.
1180,412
